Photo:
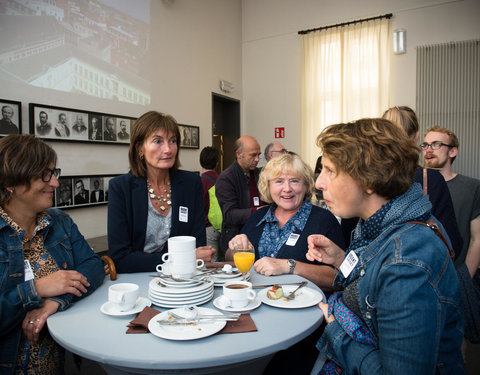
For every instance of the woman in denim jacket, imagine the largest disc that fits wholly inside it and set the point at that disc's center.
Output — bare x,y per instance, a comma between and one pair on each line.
400,285
45,263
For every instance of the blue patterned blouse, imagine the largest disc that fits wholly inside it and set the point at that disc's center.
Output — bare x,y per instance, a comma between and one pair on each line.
273,236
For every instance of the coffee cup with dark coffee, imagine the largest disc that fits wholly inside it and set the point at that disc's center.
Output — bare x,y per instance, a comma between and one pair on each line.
236,294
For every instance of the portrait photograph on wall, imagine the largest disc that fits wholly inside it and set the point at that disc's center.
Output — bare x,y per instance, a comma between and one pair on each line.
68,124
82,191
190,136
11,121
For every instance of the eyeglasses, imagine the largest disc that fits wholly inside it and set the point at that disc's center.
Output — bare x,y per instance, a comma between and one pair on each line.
282,151
48,173
433,145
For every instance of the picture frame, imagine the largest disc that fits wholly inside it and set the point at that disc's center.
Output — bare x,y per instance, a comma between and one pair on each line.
190,136
11,117
82,191
69,124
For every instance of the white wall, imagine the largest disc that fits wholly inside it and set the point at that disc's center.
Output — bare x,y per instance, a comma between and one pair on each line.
272,51
194,44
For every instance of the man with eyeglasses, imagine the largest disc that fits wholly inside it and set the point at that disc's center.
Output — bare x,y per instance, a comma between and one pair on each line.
274,149
440,148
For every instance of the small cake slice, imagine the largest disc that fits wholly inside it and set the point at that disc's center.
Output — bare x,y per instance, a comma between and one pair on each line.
275,293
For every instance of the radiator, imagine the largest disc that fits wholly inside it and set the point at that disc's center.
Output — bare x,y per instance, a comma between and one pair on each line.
448,94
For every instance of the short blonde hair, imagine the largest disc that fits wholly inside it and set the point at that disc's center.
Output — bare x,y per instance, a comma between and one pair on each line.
286,163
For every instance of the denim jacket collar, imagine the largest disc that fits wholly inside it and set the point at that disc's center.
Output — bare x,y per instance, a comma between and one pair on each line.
412,205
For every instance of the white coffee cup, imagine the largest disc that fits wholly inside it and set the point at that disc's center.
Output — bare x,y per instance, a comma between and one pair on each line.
182,256
236,294
164,268
123,296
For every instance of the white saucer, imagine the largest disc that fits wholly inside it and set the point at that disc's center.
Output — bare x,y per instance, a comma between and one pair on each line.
251,306
108,309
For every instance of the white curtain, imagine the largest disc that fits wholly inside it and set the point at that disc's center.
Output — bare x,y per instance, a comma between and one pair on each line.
345,76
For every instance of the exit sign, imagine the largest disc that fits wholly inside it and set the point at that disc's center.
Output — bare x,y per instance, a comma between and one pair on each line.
279,132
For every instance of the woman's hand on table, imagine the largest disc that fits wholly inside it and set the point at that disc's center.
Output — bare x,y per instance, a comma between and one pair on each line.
205,253
324,307
62,282
35,319
321,249
271,266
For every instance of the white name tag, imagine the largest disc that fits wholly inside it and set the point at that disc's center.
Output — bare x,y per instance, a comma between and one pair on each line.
349,263
292,240
28,270
183,214
256,201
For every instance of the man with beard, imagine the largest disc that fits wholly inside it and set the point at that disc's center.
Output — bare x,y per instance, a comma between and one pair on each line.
79,128
44,127
236,190
440,148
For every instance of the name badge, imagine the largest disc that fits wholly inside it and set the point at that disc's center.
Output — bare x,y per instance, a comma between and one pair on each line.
28,270
256,201
183,214
292,240
349,263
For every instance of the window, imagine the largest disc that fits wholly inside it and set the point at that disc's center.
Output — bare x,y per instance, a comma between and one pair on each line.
345,76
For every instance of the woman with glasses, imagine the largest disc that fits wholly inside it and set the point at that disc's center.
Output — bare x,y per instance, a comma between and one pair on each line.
400,311
45,263
431,180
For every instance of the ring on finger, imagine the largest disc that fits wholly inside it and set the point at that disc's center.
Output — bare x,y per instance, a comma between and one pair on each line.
31,322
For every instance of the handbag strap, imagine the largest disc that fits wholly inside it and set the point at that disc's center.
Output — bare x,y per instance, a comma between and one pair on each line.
433,226
425,181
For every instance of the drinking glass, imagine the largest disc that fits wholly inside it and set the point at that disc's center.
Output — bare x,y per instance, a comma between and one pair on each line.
244,257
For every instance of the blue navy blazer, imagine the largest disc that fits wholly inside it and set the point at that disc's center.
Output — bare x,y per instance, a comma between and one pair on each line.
128,212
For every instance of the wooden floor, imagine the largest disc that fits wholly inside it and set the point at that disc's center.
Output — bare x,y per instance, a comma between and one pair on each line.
92,368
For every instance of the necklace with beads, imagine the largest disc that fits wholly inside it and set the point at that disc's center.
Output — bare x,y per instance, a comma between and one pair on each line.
163,199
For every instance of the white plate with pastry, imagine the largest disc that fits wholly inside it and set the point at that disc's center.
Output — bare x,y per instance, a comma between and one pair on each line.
304,297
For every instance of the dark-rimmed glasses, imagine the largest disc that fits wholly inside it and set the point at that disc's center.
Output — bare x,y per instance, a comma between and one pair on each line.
433,145
282,151
48,173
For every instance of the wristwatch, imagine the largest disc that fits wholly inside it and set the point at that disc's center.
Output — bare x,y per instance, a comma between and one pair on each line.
291,263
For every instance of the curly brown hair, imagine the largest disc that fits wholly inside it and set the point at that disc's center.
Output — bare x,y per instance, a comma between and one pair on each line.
377,154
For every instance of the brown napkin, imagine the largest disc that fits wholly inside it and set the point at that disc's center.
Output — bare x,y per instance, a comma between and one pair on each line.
140,323
218,264
244,324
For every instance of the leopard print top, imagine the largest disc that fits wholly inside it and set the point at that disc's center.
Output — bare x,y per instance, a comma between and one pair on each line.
45,356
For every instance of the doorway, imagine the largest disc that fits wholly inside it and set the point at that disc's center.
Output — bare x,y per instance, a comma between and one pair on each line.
225,128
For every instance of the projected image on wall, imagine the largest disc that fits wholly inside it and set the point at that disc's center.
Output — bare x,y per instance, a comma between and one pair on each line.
93,47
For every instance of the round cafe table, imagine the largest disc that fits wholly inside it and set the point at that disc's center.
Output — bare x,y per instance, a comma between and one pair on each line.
85,330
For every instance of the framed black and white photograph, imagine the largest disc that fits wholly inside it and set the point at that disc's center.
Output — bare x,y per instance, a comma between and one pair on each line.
190,136
11,121
68,124
82,191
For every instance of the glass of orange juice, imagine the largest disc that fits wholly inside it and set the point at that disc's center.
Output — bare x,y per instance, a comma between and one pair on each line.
244,257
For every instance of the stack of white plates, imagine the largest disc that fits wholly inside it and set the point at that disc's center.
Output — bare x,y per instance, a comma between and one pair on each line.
164,292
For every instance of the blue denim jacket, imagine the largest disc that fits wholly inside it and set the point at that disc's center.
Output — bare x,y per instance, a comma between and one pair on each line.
409,297
70,251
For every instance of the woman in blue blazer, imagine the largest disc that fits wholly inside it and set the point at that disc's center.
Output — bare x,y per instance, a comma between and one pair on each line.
155,200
